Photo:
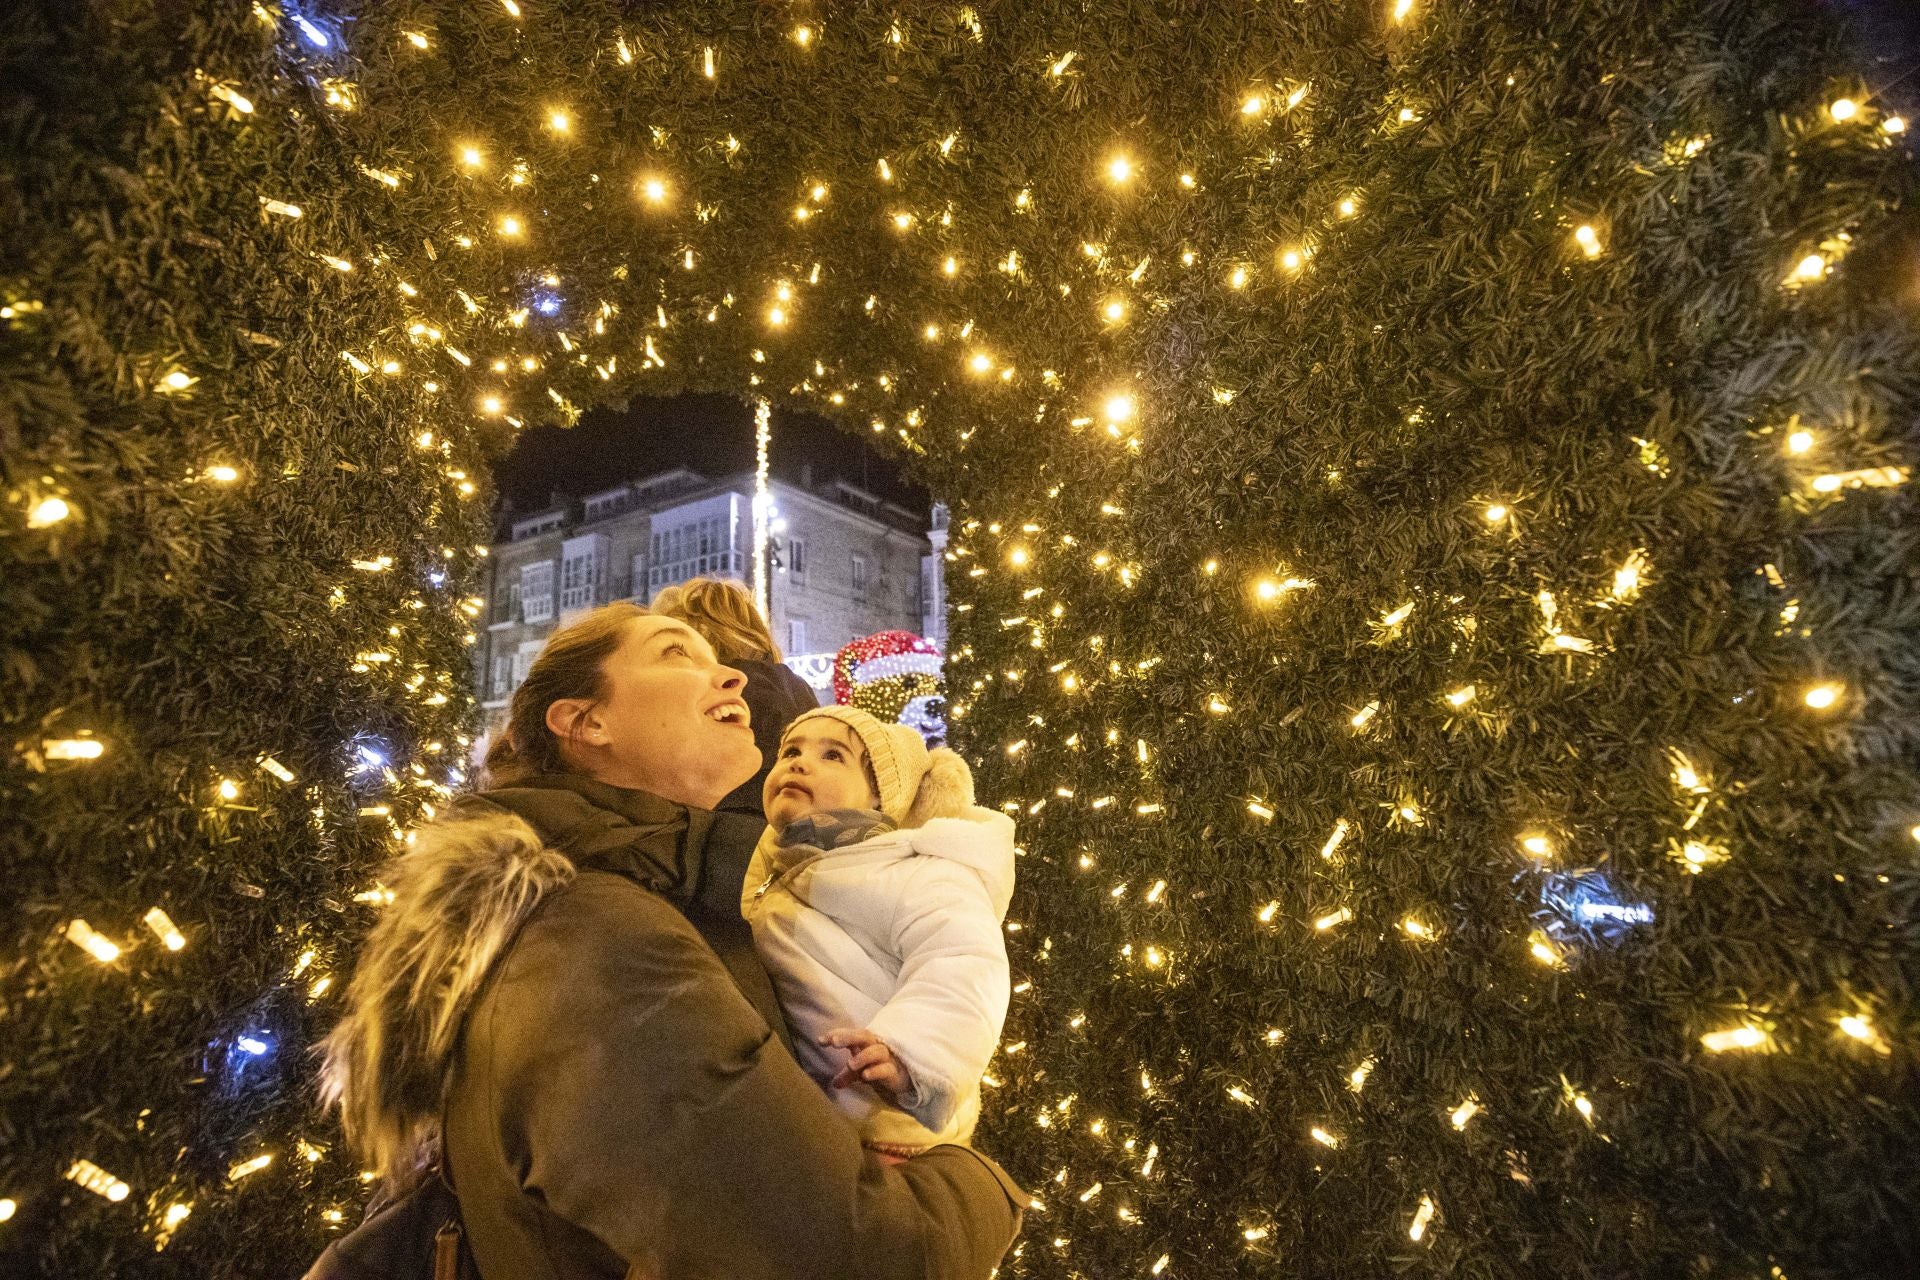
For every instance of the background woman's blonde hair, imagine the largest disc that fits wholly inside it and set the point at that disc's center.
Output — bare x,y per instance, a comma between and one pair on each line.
571,665
724,614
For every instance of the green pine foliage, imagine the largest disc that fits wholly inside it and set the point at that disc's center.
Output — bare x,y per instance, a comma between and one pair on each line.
1465,451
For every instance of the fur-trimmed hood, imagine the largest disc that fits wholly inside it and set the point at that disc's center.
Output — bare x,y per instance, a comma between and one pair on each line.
460,894
461,891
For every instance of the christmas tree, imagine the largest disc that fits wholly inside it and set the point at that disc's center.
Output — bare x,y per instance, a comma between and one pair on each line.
1432,575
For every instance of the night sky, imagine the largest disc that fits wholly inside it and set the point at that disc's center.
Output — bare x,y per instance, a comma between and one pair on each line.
709,433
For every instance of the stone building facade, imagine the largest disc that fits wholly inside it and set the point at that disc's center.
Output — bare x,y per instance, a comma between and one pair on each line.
848,564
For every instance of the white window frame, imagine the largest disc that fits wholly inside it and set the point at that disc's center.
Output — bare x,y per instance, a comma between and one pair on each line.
861,572
797,558
796,635
537,581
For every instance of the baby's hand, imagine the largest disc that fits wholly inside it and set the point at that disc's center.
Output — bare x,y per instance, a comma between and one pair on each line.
872,1062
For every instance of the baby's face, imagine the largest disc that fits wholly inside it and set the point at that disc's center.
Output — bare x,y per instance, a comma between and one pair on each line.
821,766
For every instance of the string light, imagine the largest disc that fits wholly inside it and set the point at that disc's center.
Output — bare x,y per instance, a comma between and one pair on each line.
101,948
1424,1214
1821,697
1843,109
97,1180
164,929
1742,1037
48,512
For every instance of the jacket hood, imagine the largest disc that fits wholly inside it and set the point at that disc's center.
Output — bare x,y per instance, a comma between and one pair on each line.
461,891
981,839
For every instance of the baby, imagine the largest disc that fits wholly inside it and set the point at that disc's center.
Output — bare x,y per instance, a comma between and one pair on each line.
876,897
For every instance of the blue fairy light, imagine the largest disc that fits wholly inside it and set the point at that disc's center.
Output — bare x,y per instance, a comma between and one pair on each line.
253,1045
315,36
1581,906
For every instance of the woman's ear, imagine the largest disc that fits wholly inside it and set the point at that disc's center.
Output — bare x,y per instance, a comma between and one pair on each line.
572,720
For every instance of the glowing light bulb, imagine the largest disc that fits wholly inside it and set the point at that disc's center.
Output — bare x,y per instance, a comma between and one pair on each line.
1495,512
97,1180
803,36
1253,105
1119,408
1545,951
1424,1214
951,266
82,935
981,362
1536,845
1800,442
1237,278
1348,207
1333,919
1291,260
178,380
1120,169
1823,696
1843,109
1894,124
1734,1038
1324,1137
1589,240
490,404
471,157
654,191
48,512
560,122
1463,1113
417,39
1018,557
510,225
902,221
164,929
1811,267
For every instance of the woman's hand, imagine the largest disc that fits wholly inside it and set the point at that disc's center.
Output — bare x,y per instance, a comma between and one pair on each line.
872,1062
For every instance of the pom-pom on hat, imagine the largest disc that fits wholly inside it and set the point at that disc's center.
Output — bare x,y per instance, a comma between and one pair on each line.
915,784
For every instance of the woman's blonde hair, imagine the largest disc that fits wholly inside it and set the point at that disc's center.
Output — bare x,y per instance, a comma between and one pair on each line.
571,665
724,614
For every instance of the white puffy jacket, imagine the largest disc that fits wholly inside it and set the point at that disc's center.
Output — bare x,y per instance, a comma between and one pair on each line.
899,934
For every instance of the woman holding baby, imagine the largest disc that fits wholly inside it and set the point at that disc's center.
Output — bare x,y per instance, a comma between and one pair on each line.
564,1001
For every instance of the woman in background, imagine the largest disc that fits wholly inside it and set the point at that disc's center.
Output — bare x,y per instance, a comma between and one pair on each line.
724,614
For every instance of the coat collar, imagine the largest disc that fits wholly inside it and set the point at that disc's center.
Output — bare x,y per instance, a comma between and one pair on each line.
660,844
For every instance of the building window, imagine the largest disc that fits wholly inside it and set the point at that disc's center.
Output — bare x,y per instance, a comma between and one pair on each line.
861,575
699,548
796,635
582,569
536,592
639,579
502,676
797,557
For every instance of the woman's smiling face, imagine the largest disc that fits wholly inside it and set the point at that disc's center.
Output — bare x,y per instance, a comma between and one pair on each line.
669,718
821,766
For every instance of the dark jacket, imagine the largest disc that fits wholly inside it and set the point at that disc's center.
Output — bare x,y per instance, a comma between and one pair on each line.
620,1095
775,695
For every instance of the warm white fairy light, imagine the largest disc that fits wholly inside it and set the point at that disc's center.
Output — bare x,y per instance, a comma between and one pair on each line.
97,1180
1416,929
1336,839
1461,1114
1333,920
1120,169
1495,512
1857,1026
1361,717
1812,267
510,225
1733,1038
1588,240
1822,697
1799,442
101,948
247,1168
164,929
1325,1137
1843,109
48,512
1536,845
1260,811
1422,1216
1462,696
1545,950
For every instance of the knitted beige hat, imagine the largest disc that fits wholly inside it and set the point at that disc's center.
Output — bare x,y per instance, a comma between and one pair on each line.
915,784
